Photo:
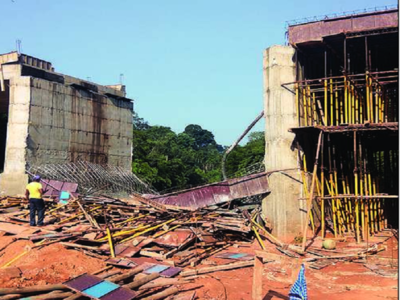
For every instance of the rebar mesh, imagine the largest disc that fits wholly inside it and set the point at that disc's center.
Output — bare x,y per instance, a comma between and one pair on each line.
93,178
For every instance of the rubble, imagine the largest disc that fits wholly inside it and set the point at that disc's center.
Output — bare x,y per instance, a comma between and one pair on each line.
144,249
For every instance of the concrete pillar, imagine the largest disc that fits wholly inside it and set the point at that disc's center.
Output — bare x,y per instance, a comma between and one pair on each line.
13,180
282,207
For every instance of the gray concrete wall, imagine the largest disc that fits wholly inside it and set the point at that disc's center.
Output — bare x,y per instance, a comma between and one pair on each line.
282,207
51,122
70,124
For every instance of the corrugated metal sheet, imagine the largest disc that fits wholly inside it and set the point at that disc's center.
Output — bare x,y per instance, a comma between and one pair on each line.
251,185
315,31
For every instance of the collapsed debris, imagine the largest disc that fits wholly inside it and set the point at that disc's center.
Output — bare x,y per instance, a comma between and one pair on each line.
114,231
150,247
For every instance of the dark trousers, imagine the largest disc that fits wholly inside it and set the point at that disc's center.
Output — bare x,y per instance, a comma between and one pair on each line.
36,205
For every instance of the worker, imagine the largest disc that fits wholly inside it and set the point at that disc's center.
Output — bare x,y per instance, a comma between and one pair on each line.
33,194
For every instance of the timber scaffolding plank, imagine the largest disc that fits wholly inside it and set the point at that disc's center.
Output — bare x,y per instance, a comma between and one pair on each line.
121,234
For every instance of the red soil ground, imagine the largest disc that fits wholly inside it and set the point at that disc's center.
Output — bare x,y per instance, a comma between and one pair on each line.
344,280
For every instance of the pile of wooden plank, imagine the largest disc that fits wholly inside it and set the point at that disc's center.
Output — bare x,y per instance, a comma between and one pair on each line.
117,231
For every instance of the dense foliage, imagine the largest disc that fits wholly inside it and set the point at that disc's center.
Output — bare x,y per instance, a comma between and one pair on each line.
170,161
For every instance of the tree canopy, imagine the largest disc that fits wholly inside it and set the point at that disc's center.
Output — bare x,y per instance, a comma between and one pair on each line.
170,161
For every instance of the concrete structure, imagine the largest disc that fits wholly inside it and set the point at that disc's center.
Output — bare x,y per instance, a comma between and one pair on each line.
281,207
346,54
55,118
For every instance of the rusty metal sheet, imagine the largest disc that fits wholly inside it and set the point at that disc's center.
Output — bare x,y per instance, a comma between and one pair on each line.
316,31
251,185
174,238
70,187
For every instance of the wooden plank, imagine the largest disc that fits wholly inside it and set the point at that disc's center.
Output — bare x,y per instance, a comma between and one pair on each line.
218,268
13,228
257,293
268,255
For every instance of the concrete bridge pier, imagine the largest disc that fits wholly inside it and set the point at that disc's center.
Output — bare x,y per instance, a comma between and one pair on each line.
281,208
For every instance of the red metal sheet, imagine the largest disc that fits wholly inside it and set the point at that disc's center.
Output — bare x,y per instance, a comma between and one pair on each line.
315,31
251,185
174,238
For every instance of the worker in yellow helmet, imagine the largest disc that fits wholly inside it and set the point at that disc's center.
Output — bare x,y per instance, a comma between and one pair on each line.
33,194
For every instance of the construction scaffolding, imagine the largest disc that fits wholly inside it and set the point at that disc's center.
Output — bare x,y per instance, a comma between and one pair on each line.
348,127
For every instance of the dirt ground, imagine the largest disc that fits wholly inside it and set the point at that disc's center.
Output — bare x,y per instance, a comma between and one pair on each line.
343,280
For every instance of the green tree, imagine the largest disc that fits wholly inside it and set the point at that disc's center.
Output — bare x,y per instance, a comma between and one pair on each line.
170,161
242,157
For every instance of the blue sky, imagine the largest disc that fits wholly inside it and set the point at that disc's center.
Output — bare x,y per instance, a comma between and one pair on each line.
184,62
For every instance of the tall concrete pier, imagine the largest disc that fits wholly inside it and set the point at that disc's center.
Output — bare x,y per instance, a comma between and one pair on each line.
282,207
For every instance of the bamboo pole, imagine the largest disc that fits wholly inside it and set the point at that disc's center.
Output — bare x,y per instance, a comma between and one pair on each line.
309,108
356,187
305,185
375,206
315,110
367,95
305,107
110,242
147,230
325,102
322,190
309,202
336,106
371,222
371,99
258,238
331,189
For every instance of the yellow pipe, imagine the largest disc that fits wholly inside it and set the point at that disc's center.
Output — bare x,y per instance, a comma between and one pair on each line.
342,215
305,108
376,106
20,255
305,185
124,232
367,96
165,231
322,211
366,214
315,110
382,101
350,204
356,212
147,230
357,108
258,238
378,95
353,106
375,206
371,99
110,242
59,207
14,259
309,108
346,204
371,221
337,106
362,206
78,215
133,219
